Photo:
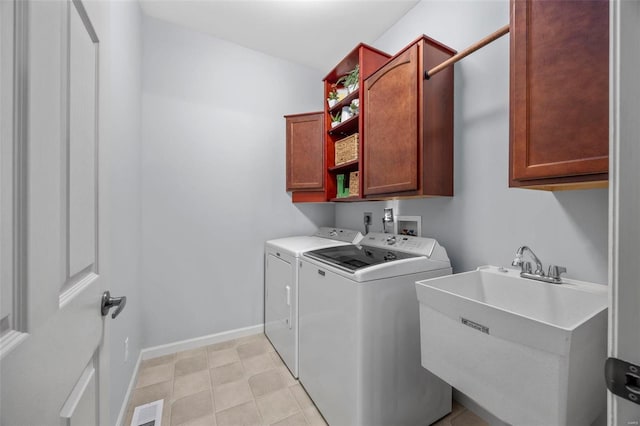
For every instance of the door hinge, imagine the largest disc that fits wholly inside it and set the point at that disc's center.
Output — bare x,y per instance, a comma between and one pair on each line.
623,379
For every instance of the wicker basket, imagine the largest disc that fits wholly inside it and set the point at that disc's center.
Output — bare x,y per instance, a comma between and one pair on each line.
354,184
346,149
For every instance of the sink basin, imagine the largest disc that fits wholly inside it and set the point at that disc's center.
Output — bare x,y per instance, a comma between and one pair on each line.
531,353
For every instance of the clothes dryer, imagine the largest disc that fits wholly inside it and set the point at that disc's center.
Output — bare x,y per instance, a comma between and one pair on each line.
281,286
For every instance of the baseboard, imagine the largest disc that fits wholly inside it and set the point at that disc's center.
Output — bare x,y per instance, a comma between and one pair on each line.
198,342
127,395
182,345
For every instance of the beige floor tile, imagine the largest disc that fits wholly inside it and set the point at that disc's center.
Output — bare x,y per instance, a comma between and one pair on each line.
232,394
223,357
258,364
209,420
166,359
277,361
190,365
191,407
251,337
155,374
240,415
151,393
253,348
166,414
128,417
227,373
301,396
191,383
191,353
228,344
267,382
289,379
313,417
277,406
297,419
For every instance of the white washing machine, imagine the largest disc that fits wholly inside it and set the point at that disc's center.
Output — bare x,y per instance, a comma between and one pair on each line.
281,286
360,332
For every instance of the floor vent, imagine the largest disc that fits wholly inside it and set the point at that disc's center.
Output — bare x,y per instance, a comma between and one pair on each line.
148,414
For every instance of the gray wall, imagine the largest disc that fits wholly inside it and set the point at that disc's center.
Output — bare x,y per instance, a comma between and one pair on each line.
213,178
124,46
485,222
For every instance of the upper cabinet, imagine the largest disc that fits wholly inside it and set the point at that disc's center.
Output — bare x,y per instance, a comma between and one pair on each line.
559,131
305,156
344,112
408,125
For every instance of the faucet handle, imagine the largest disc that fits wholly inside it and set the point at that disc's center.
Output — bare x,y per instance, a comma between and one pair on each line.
526,267
555,271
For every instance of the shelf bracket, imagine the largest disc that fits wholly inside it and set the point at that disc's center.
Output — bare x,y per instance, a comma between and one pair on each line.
469,50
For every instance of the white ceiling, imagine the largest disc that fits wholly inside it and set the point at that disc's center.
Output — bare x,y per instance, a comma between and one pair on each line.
316,33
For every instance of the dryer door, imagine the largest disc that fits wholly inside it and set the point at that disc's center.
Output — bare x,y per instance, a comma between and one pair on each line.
280,310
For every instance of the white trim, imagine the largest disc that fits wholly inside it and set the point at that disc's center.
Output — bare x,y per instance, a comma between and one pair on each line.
127,395
614,182
183,345
198,342
87,378
11,340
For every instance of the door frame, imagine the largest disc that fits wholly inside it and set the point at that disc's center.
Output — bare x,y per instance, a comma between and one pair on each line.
624,198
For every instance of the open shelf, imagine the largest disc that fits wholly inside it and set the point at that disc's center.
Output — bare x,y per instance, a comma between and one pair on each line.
345,102
346,199
345,167
368,60
346,127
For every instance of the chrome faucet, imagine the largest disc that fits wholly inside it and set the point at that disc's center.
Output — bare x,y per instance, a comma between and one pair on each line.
387,218
553,275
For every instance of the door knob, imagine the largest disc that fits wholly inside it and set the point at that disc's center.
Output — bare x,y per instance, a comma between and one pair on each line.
109,302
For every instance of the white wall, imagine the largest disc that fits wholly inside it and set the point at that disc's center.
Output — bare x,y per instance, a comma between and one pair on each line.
213,178
123,46
485,222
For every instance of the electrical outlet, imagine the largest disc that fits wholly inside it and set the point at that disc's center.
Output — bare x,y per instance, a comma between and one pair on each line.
368,218
126,349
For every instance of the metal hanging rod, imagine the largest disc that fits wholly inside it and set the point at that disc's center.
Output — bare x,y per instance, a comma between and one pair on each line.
469,50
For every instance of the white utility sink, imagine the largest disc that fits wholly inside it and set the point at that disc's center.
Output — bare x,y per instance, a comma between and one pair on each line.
531,353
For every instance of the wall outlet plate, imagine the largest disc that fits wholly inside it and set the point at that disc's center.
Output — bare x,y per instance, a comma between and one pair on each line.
368,218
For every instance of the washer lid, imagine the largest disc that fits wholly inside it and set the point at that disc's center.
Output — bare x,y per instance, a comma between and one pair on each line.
351,258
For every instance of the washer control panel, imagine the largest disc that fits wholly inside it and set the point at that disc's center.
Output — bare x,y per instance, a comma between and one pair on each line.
338,234
415,245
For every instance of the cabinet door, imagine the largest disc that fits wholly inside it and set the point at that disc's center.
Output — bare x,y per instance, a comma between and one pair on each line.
559,90
305,152
391,126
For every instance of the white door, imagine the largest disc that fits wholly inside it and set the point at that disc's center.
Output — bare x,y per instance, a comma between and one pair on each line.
624,216
53,344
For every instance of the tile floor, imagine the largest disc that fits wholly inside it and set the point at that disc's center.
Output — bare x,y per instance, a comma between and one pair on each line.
238,382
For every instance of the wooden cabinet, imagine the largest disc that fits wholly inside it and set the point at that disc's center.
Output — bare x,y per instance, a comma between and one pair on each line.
559,94
408,125
305,156
368,59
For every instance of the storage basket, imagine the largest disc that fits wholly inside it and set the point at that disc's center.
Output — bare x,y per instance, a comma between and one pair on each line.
354,184
346,149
